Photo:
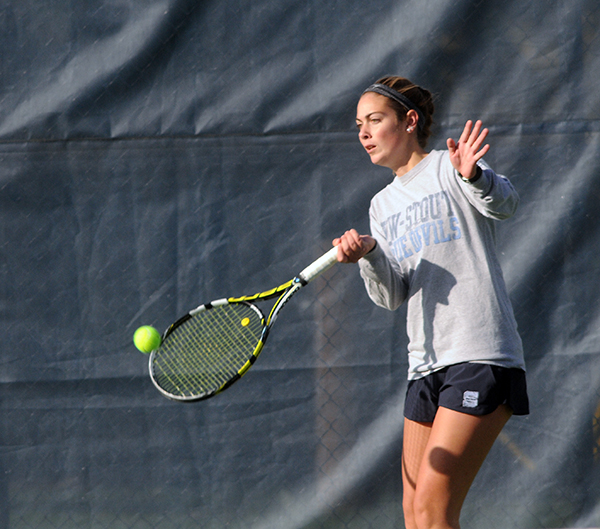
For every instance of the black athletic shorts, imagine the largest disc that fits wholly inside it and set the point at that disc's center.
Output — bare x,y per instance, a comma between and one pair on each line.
476,389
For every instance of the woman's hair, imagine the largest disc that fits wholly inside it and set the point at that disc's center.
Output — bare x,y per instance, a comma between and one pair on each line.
421,97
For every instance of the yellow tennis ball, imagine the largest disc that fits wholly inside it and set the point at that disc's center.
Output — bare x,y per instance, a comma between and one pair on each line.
146,339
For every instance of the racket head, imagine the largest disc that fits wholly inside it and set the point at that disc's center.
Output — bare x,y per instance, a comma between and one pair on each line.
207,350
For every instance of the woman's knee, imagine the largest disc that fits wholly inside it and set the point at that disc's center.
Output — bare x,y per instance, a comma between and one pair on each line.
407,509
429,512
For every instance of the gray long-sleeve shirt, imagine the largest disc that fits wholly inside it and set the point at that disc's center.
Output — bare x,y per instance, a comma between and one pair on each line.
436,250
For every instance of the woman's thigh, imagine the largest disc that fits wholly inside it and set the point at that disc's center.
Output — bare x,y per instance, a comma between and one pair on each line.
456,447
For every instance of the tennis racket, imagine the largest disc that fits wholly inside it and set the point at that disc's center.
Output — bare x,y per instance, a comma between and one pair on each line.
211,347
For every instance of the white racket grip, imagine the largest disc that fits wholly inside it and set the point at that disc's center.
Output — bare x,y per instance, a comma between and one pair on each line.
325,262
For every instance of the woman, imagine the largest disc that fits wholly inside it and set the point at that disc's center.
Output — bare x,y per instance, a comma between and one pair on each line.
433,246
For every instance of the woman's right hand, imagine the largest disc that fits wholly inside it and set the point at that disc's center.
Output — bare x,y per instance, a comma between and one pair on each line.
352,246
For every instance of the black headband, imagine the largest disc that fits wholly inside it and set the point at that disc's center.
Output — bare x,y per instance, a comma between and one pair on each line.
386,91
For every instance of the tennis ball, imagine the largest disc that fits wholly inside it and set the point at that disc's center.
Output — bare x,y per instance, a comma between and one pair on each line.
146,339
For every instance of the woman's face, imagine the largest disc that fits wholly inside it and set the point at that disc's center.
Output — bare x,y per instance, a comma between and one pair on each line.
380,132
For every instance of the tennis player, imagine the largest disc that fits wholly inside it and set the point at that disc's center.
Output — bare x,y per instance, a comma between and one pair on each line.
433,247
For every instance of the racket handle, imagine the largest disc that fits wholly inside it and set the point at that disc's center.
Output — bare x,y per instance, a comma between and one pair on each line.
325,262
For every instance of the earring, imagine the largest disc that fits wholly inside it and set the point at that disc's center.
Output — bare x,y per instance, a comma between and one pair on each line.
409,129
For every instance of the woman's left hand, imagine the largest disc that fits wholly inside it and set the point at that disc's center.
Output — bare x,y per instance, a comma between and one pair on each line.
465,154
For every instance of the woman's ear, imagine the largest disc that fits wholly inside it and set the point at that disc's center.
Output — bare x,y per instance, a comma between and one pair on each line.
412,120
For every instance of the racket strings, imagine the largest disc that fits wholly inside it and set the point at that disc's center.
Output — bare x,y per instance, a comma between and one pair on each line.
217,337
221,352
204,353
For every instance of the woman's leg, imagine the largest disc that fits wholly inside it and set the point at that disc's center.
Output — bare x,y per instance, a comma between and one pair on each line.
415,439
456,446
